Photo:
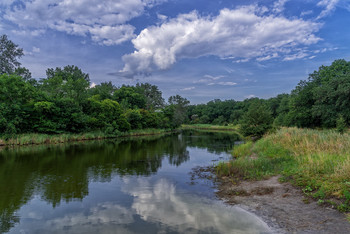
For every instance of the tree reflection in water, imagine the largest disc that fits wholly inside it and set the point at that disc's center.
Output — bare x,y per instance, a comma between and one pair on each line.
62,173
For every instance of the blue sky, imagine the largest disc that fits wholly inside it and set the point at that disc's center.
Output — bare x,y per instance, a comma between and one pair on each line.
200,49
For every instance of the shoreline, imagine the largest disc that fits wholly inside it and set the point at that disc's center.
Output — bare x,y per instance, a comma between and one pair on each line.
282,206
210,127
42,139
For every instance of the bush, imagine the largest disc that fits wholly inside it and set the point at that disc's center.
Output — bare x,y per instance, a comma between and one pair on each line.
256,121
341,124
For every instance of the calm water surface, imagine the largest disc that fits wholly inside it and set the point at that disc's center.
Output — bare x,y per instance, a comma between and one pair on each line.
139,185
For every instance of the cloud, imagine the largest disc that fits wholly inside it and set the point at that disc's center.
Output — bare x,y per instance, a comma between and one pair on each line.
242,33
104,20
227,83
278,6
188,89
298,55
213,77
329,5
304,13
36,50
178,211
250,96
208,79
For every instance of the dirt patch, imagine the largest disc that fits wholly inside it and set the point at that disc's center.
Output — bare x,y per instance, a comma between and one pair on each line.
282,206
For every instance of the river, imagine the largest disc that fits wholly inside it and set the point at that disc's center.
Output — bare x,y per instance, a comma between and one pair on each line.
136,185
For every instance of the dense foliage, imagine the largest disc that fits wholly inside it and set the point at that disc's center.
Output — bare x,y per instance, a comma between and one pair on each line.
315,102
256,121
66,102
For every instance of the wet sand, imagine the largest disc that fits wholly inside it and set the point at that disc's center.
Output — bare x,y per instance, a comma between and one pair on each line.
282,206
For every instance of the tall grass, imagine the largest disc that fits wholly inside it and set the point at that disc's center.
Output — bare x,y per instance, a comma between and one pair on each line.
36,139
317,160
211,127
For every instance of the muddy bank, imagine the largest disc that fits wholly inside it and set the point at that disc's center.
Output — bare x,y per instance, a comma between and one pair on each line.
283,207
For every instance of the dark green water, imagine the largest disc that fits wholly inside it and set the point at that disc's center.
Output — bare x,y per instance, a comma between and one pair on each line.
139,185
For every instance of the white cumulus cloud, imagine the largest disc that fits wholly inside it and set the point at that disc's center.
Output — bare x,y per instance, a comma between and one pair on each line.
244,32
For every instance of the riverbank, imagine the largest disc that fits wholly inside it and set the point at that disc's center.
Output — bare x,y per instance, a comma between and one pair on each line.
36,138
314,165
283,206
234,128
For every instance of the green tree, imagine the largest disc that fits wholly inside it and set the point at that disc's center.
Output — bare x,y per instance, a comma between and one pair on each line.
15,98
129,97
9,55
134,117
153,95
282,111
301,102
105,90
106,115
69,82
176,110
256,121
332,93
341,124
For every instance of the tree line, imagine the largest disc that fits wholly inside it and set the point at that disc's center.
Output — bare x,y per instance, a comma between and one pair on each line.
320,101
66,102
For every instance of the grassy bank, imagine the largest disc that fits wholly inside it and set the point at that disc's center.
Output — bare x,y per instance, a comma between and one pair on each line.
210,127
318,161
36,139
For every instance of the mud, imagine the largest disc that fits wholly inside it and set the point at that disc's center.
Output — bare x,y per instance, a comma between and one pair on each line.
282,206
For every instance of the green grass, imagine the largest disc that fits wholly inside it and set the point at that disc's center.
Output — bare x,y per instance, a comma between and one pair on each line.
316,160
210,127
146,132
36,138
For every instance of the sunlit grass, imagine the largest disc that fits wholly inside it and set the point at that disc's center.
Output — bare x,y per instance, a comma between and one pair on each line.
319,160
35,138
210,127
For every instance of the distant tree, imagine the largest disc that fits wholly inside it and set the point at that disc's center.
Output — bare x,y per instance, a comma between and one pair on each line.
129,97
134,117
274,104
204,119
69,82
153,95
301,103
332,92
341,124
282,118
105,90
256,121
106,115
9,55
176,110
15,97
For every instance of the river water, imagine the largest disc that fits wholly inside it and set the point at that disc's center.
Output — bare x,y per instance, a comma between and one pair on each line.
137,185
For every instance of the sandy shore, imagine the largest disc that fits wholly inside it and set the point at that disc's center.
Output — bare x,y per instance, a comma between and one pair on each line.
282,206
